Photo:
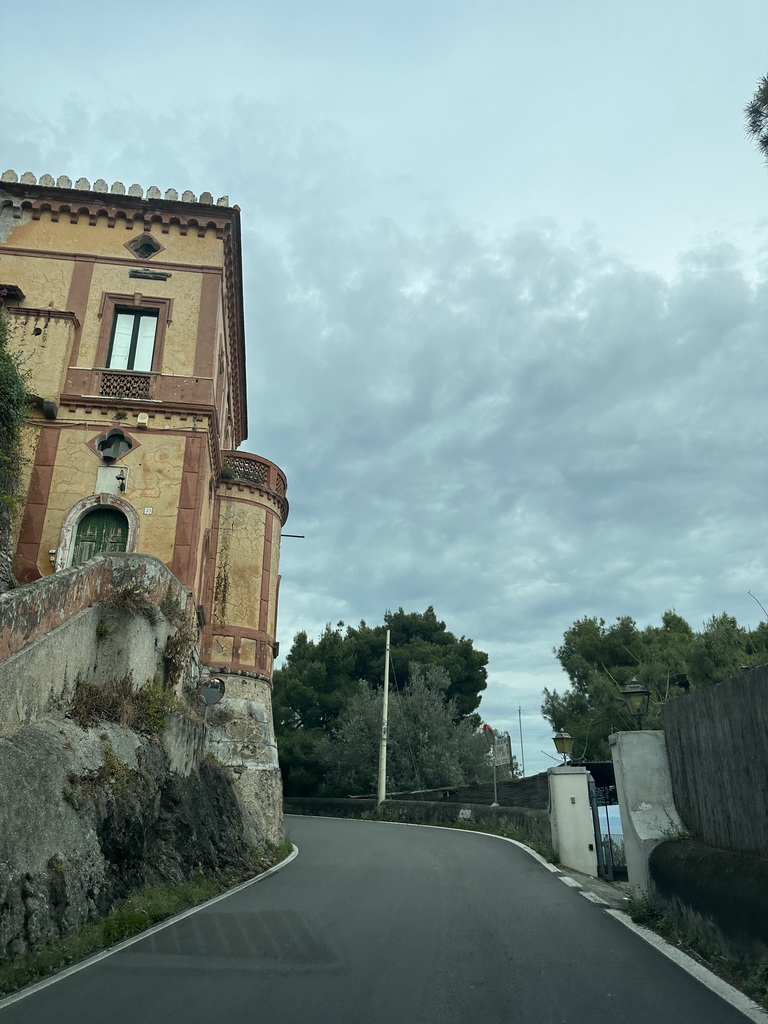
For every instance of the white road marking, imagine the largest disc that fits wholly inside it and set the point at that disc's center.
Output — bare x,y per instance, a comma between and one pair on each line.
593,897
567,880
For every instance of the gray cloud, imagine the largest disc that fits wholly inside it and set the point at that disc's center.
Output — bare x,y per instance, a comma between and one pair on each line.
516,425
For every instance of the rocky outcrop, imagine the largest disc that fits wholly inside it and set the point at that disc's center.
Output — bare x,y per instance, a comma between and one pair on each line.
88,815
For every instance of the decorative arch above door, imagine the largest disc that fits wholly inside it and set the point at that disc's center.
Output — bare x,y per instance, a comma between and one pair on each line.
97,524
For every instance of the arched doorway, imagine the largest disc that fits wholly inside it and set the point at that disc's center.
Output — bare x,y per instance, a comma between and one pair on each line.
100,531
80,512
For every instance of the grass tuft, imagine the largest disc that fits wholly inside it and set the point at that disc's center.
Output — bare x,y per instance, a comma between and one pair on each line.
142,710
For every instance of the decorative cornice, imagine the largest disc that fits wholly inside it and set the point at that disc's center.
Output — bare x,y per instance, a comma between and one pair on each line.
115,211
28,313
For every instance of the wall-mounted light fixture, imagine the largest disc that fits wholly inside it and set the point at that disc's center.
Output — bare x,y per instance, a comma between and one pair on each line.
121,480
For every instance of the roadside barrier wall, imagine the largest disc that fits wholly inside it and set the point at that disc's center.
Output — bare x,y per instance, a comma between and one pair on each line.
534,823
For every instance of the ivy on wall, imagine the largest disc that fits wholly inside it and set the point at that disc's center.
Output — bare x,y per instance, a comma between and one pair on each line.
13,414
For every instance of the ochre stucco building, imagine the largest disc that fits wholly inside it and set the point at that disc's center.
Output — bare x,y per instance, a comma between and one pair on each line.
127,311
142,427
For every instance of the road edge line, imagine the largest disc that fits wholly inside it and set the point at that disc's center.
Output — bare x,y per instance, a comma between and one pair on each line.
66,972
737,999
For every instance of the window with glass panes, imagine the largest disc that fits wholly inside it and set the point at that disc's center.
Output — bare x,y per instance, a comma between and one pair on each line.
133,339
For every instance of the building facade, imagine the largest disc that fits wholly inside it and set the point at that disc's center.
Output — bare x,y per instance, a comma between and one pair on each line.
127,312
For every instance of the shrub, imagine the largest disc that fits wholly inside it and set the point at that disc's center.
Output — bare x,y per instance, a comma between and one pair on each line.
132,599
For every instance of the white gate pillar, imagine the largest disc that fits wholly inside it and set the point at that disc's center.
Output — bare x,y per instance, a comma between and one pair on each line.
570,818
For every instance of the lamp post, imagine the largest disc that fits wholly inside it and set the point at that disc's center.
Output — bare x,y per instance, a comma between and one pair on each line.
563,744
636,698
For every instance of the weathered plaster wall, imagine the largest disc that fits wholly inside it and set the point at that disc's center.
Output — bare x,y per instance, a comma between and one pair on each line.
644,789
239,563
44,281
102,240
274,580
154,471
44,355
181,333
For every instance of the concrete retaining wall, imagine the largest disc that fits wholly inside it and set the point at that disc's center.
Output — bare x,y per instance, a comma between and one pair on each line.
718,896
59,629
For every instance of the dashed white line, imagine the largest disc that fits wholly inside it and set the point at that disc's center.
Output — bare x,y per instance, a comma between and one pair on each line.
593,897
566,880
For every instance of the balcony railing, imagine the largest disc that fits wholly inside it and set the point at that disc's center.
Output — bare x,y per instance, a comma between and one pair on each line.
125,385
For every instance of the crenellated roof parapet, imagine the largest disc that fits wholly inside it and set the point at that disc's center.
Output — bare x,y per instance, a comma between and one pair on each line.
117,188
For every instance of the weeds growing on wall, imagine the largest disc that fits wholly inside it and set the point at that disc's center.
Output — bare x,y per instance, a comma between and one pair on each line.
143,710
132,599
13,414
178,650
180,643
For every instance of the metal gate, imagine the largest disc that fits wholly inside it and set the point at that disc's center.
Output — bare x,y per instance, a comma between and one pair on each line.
609,844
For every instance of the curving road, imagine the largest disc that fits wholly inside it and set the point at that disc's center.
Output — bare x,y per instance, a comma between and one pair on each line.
376,923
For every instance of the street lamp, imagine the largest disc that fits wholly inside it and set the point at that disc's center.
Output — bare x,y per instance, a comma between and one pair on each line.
636,698
563,743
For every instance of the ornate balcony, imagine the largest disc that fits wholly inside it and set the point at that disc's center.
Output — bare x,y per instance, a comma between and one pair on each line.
253,470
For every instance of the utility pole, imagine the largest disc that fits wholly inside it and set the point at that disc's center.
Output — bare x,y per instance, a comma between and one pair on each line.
382,793
522,749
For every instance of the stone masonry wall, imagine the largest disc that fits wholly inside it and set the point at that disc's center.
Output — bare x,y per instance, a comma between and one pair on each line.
88,815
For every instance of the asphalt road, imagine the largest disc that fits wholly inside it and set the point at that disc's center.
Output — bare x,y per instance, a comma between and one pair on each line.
387,924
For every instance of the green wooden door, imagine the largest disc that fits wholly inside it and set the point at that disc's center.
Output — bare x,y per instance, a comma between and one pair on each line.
104,529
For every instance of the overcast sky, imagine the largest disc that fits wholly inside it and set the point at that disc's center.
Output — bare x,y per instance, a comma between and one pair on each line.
506,286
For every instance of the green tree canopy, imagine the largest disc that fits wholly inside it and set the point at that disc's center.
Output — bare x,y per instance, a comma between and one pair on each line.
427,748
319,678
600,659
756,117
